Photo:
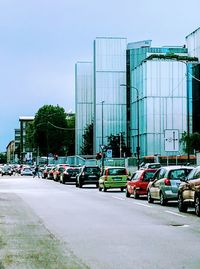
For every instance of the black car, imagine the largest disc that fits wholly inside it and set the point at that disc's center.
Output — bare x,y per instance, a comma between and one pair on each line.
88,175
69,175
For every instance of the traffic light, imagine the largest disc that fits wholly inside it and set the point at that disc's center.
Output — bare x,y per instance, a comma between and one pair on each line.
98,156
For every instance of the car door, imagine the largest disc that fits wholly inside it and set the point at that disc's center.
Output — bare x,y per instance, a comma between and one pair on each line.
155,187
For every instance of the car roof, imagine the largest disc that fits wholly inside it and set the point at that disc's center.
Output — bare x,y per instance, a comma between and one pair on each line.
176,167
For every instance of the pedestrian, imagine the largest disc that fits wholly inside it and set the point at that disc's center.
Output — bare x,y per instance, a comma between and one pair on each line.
36,172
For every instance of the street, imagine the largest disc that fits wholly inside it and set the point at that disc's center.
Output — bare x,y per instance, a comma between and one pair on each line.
108,230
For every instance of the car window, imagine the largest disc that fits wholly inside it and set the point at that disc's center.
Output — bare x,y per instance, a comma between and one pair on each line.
136,175
92,169
148,175
179,173
159,174
116,171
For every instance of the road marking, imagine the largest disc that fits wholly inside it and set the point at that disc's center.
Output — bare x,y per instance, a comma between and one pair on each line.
176,214
118,198
143,205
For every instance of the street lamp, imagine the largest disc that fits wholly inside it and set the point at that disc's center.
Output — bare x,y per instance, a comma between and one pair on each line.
138,124
102,135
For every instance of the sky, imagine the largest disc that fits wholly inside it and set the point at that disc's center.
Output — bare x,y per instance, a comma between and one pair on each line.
41,40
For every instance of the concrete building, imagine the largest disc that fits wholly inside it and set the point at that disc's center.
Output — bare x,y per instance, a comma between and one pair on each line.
24,151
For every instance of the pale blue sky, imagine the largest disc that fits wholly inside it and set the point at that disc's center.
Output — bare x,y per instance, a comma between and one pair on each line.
41,40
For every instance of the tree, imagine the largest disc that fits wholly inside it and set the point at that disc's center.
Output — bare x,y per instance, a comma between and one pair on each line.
3,157
87,147
114,142
190,142
50,131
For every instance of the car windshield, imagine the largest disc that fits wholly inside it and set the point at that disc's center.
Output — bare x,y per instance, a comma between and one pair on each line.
116,171
92,170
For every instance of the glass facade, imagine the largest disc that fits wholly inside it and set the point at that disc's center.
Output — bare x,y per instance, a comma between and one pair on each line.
84,104
193,44
162,89
109,96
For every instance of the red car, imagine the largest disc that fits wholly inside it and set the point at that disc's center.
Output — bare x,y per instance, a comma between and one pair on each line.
137,184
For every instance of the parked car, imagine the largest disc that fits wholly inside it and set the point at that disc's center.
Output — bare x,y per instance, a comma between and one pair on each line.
150,165
165,183
50,172
26,171
69,174
47,168
88,175
113,177
6,171
57,172
189,192
137,184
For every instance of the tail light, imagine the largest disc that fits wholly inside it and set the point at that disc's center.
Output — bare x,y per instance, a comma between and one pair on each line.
83,174
167,182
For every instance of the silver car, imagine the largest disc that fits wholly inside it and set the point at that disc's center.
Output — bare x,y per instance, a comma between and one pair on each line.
165,183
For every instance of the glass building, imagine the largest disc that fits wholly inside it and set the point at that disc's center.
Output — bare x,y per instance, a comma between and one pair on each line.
159,87
193,44
109,96
84,101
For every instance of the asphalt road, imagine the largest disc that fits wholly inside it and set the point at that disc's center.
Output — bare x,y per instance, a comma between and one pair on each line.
108,230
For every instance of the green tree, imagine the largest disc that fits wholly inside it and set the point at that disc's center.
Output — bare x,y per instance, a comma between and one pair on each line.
3,157
70,135
190,142
87,147
114,142
49,132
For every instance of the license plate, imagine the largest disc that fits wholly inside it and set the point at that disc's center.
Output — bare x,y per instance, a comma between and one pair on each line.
116,178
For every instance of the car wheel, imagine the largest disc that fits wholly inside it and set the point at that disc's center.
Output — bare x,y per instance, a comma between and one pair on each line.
182,207
122,189
80,185
197,206
76,184
97,185
127,193
100,189
104,188
135,194
149,199
163,201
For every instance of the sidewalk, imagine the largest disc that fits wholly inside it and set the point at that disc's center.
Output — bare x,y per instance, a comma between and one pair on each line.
25,243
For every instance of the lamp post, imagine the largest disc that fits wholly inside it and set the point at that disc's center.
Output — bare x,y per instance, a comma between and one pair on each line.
138,124
102,135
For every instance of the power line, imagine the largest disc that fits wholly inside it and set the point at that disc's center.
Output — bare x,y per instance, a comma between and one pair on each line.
61,128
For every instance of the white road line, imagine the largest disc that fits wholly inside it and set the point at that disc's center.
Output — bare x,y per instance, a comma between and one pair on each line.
115,197
176,214
143,205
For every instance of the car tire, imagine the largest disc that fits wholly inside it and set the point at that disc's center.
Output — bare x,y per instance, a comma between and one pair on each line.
135,194
100,189
182,207
128,195
197,205
149,199
163,201
76,184
104,188
80,185
122,189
